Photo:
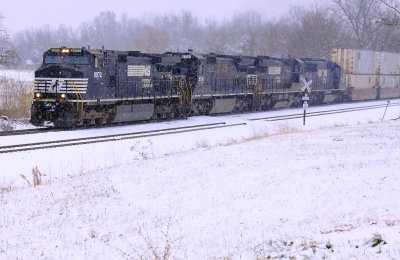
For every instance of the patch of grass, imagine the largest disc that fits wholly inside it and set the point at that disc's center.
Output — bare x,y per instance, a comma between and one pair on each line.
158,253
6,188
309,244
160,245
93,233
257,136
36,177
329,245
202,144
15,99
285,129
271,249
144,150
377,240
391,223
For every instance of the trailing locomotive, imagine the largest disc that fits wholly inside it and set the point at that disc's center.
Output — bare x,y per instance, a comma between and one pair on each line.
81,86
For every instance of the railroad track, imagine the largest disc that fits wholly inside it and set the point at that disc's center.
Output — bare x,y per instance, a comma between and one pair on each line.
322,113
109,138
28,131
54,129
272,118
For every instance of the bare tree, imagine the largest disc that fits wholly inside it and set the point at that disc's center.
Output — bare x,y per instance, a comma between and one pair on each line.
303,33
362,16
392,4
102,31
392,15
8,55
152,39
312,32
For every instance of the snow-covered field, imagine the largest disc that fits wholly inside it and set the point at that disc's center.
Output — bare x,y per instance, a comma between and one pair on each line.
17,75
329,189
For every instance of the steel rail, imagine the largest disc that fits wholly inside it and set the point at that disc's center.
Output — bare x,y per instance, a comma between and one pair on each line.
28,131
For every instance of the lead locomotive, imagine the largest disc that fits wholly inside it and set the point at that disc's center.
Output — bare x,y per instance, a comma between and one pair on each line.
81,86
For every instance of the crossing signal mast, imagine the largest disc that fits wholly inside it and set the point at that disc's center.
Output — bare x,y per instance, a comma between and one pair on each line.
307,90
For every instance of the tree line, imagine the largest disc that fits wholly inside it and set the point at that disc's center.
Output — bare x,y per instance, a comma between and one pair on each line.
301,32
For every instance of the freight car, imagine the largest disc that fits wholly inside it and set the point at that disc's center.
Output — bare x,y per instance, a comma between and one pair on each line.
369,75
83,86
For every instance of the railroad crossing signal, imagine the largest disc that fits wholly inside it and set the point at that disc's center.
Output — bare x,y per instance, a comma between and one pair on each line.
306,87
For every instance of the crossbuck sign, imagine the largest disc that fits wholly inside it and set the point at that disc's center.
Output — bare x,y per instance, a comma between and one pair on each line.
306,87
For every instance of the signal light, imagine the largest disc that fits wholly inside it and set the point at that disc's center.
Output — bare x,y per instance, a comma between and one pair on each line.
38,95
63,96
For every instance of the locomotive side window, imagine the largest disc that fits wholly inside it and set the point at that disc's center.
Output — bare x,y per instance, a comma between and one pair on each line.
296,67
76,60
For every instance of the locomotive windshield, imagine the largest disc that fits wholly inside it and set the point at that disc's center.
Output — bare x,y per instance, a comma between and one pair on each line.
56,59
66,56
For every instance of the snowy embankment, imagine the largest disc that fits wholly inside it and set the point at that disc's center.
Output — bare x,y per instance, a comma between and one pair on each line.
267,189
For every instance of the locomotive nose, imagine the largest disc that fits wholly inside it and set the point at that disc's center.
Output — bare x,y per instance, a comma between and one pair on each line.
58,72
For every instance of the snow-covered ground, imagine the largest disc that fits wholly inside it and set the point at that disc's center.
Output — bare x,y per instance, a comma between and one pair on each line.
17,75
329,189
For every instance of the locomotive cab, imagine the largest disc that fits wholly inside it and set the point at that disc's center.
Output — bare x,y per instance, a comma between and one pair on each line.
61,70
61,84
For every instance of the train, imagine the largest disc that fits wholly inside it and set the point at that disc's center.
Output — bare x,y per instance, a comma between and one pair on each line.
84,86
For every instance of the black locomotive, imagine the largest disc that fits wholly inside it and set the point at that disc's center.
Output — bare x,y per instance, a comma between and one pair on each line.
83,86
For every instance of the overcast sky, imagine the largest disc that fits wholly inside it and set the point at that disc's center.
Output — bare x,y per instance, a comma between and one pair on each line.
25,14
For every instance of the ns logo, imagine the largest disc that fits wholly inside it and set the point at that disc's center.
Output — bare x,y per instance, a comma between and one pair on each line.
55,85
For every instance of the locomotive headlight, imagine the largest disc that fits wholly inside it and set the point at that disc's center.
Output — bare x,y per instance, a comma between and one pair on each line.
38,95
63,96
65,50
